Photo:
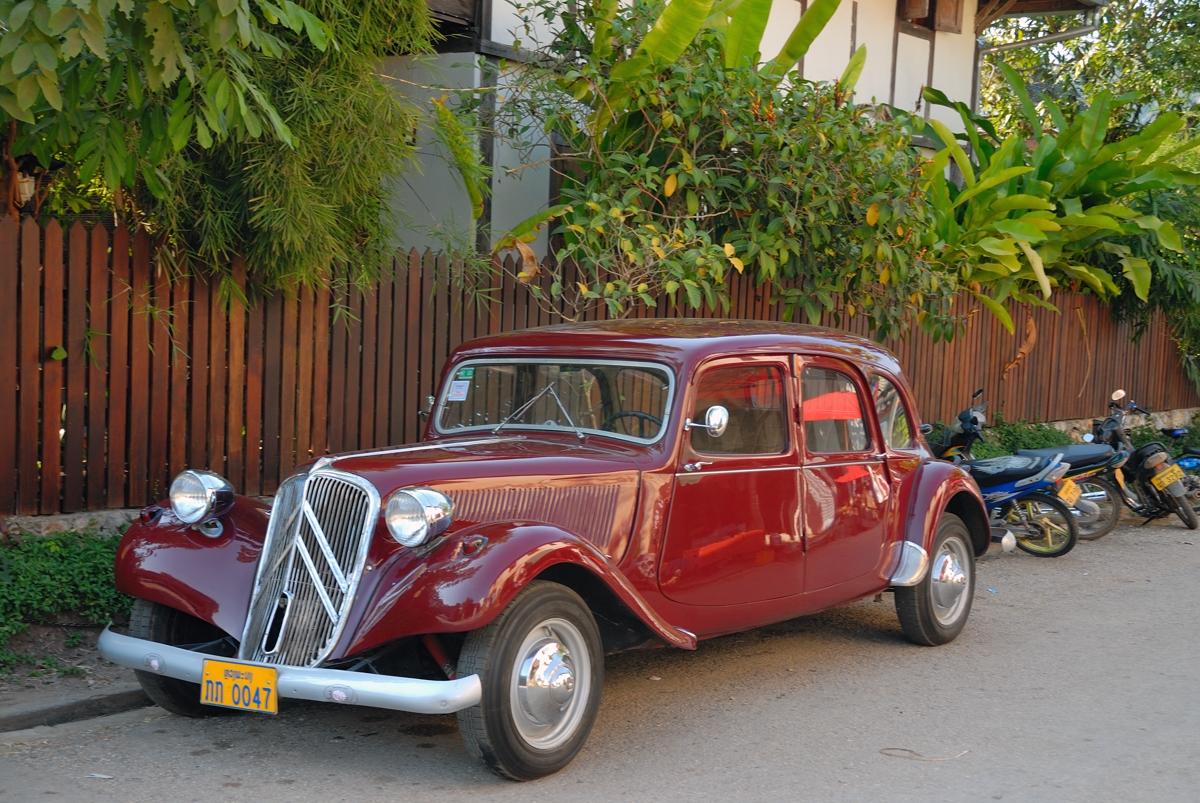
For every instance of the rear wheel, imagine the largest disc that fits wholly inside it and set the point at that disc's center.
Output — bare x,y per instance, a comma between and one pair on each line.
158,623
1102,494
935,610
542,667
1044,525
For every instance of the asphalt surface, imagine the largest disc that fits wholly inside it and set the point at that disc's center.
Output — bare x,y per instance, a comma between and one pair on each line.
1076,679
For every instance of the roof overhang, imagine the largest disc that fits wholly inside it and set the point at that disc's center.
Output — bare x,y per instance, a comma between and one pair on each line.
1043,8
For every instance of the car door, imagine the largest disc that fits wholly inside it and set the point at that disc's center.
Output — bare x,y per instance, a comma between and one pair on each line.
733,533
845,482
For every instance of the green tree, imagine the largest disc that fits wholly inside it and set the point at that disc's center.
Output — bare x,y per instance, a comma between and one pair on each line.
688,159
1144,53
225,127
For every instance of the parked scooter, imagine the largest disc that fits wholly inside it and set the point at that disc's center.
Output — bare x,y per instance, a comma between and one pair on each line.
1151,484
1019,490
1095,500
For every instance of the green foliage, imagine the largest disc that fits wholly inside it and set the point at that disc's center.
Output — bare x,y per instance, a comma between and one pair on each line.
1030,214
680,169
255,129
1006,437
1145,50
42,577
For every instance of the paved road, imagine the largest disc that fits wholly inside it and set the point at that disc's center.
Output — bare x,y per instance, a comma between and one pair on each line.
1078,679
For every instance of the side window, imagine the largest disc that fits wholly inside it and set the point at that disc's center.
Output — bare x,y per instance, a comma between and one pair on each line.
832,412
893,417
754,397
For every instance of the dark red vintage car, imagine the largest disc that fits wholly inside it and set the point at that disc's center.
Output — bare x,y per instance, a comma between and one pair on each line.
581,490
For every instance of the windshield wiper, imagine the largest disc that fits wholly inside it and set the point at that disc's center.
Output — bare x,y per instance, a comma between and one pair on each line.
549,389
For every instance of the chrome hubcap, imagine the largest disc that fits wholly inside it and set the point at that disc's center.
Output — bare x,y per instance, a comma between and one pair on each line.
950,581
551,680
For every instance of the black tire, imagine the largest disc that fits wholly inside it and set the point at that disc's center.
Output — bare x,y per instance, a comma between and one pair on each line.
1110,508
1044,525
546,624
158,623
935,610
1183,509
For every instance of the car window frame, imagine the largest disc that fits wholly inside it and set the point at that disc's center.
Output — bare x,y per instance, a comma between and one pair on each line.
913,423
791,440
444,391
875,441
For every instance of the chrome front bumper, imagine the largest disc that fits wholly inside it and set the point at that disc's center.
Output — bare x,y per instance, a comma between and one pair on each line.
304,683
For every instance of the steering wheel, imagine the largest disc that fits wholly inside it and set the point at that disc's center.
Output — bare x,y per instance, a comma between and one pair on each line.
642,418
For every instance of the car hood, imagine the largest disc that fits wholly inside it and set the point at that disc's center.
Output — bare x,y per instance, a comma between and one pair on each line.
584,488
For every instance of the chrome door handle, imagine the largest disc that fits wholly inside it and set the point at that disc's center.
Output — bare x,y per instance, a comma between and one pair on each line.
696,466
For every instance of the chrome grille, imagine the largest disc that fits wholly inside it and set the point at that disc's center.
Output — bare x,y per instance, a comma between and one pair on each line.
321,526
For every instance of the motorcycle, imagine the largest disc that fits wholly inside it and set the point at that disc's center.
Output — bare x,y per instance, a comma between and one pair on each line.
1151,484
1095,500
1020,491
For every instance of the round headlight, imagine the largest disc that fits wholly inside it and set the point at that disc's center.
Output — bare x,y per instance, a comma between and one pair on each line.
414,515
200,495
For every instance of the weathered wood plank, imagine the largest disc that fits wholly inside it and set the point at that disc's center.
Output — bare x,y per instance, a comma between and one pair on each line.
76,345
10,312
31,351
52,369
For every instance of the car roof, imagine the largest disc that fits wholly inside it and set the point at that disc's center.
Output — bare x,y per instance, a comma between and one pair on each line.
682,342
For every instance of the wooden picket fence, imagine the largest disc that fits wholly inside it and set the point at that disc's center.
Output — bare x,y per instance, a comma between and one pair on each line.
113,379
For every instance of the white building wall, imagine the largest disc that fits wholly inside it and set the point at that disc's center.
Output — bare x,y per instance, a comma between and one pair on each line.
912,71
954,67
876,29
520,186
430,198
827,57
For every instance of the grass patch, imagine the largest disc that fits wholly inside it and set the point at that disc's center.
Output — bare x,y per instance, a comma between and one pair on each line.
41,578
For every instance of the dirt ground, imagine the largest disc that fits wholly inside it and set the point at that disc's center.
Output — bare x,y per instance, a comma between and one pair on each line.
58,672
1076,679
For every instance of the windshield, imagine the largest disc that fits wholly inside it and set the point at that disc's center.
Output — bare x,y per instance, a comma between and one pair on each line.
626,400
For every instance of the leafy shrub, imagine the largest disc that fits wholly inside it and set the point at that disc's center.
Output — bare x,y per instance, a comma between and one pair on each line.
1006,437
41,577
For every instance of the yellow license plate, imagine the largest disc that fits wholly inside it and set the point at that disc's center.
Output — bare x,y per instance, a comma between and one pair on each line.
240,686
1069,492
1165,478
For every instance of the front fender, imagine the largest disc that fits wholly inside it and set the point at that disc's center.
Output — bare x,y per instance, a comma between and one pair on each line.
451,590
164,560
939,487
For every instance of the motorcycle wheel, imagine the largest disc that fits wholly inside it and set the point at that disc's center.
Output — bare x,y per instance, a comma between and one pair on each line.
1044,526
1108,499
1183,509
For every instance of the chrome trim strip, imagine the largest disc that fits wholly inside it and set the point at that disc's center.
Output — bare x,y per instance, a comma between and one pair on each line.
424,447
326,551
875,462
764,469
319,685
318,585
914,562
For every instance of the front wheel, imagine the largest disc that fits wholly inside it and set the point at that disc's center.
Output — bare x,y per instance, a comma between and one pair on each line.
935,610
1044,525
155,622
542,667
1183,508
1101,493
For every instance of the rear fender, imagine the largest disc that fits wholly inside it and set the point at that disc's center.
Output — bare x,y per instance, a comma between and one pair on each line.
163,560
465,582
939,488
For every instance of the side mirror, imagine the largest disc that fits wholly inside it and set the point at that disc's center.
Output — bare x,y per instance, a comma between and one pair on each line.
1118,395
1088,438
716,419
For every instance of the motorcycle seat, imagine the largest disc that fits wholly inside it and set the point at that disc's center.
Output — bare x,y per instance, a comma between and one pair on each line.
1192,450
1080,456
993,471
1173,432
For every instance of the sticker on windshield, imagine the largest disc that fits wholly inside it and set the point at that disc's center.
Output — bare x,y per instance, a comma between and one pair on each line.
466,373
458,390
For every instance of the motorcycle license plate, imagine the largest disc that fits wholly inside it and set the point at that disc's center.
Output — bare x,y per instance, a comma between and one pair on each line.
1069,492
1165,478
240,686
